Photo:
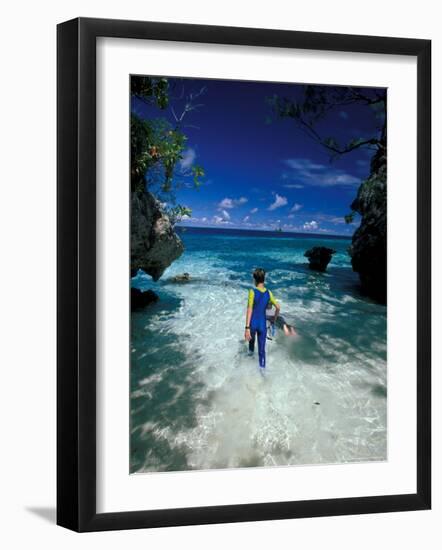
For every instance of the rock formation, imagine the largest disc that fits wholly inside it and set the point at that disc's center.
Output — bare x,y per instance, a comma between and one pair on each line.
140,299
319,257
368,250
182,278
154,244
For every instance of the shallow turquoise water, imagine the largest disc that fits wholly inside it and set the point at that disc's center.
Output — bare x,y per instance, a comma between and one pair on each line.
199,402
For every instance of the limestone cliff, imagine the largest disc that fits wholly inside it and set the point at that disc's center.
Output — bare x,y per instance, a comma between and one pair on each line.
368,250
154,243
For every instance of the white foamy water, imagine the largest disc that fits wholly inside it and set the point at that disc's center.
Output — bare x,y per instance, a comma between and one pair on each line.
198,400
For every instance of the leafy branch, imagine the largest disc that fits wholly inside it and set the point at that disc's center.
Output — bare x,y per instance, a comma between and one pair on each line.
157,146
318,101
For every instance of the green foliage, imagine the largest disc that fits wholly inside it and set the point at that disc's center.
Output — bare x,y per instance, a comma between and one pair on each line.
140,135
151,90
178,212
197,172
355,142
349,217
157,147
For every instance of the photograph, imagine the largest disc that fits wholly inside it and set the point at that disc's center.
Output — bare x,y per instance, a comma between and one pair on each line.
258,274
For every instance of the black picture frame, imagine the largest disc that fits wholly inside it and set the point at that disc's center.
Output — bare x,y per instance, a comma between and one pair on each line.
76,273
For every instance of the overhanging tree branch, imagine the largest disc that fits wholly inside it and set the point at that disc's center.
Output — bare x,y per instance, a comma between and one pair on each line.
319,101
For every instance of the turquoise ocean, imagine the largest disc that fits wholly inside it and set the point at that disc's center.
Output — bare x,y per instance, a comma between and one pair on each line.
198,401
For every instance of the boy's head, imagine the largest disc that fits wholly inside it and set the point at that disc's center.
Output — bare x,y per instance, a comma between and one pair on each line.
259,275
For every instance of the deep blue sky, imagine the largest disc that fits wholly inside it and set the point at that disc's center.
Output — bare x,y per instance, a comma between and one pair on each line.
265,175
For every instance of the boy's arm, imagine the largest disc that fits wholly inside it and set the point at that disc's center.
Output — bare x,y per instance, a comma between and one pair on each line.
275,304
247,335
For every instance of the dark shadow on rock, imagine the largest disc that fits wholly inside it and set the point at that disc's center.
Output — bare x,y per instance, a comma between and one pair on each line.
140,299
45,512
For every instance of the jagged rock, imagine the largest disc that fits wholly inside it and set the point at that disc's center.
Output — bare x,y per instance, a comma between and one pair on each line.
140,299
319,257
182,278
368,250
154,244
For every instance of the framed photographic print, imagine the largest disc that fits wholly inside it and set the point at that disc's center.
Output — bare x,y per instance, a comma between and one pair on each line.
243,274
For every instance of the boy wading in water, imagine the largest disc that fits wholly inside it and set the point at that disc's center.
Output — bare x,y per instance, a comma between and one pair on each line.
259,299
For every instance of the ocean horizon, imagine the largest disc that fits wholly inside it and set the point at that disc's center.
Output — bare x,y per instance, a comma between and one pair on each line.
259,232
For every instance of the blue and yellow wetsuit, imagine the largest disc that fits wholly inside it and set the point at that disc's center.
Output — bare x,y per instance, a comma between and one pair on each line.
259,299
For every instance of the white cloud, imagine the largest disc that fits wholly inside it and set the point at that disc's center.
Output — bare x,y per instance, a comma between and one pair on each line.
219,220
278,202
293,186
304,164
226,203
290,216
246,219
343,179
188,159
253,211
223,217
333,219
309,226
232,203
296,207
306,172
